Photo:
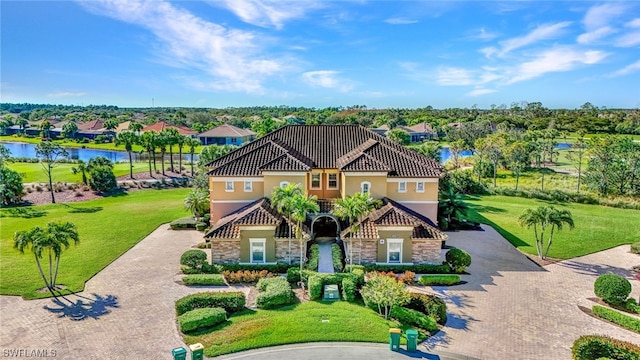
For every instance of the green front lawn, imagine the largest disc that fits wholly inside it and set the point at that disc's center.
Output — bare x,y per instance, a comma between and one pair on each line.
33,172
298,323
108,227
596,227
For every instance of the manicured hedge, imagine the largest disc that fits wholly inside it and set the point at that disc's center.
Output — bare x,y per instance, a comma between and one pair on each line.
230,301
293,275
315,287
595,347
273,268
414,318
276,291
429,305
612,288
418,269
314,257
439,279
187,223
348,290
333,279
204,279
246,276
201,318
626,321
193,258
338,260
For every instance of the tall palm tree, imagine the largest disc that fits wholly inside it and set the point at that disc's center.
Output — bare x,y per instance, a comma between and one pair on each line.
149,143
355,209
192,144
542,219
171,136
135,127
302,205
162,140
128,139
52,240
282,199
181,141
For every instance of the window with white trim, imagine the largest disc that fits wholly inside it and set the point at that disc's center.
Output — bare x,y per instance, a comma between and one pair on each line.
248,186
228,186
316,183
284,184
394,250
365,187
332,182
257,250
420,186
402,186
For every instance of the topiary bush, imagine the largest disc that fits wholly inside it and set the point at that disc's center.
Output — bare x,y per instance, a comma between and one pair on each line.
445,280
414,318
230,301
458,259
315,287
595,346
348,290
635,248
193,258
201,318
293,275
612,288
276,291
204,279
429,305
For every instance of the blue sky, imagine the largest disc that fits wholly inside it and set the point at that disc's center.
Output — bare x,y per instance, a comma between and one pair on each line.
400,54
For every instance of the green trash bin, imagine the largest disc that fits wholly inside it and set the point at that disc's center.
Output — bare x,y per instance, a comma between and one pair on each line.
179,353
394,339
412,340
197,351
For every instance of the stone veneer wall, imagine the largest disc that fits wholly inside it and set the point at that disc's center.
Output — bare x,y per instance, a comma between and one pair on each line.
368,254
282,250
426,251
225,251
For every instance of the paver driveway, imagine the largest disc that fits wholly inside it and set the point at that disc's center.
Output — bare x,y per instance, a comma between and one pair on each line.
512,309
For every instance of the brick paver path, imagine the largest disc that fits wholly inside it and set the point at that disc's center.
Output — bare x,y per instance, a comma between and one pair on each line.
513,309
142,327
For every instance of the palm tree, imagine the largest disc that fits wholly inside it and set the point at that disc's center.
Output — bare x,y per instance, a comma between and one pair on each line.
171,137
127,138
354,209
82,169
45,126
301,205
149,143
181,141
541,219
197,202
451,205
281,200
430,149
192,144
135,127
52,240
162,140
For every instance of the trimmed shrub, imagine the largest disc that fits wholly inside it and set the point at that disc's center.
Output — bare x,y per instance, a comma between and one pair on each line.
408,277
102,179
204,245
414,318
276,292
204,279
187,223
418,269
439,280
338,260
201,318
293,275
348,290
613,289
429,305
635,248
459,260
314,257
246,276
596,346
193,258
189,270
272,268
230,301
315,287
626,321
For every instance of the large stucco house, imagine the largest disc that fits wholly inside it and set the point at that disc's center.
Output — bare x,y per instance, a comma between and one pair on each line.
331,162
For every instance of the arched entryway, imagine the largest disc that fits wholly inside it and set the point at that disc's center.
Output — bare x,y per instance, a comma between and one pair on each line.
325,230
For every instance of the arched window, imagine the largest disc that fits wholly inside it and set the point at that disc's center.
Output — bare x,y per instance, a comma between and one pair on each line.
365,187
284,184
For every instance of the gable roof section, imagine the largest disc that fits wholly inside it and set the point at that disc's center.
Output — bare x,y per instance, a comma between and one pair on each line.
423,127
325,147
226,130
161,125
92,125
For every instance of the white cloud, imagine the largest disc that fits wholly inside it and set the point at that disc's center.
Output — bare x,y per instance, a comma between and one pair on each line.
590,37
400,21
555,60
542,32
483,34
629,69
66,94
327,79
229,58
628,40
268,13
450,76
600,15
480,91
635,23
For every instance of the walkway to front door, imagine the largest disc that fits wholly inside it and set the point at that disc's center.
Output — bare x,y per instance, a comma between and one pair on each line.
325,263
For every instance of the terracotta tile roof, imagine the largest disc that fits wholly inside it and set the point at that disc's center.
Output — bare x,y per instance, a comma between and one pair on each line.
326,147
92,125
226,130
159,126
256,213
423,127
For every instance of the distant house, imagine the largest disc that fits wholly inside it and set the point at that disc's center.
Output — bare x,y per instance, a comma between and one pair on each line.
418,133
226,134
159,126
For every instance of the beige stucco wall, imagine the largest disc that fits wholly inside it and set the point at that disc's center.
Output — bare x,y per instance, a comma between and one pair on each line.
221,209
378,185
218,192
271,181
430,191
430,210
386,234
245,248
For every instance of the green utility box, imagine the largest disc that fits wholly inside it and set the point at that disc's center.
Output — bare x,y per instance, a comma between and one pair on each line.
197,351
331,292
412,340
179,353
394,339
